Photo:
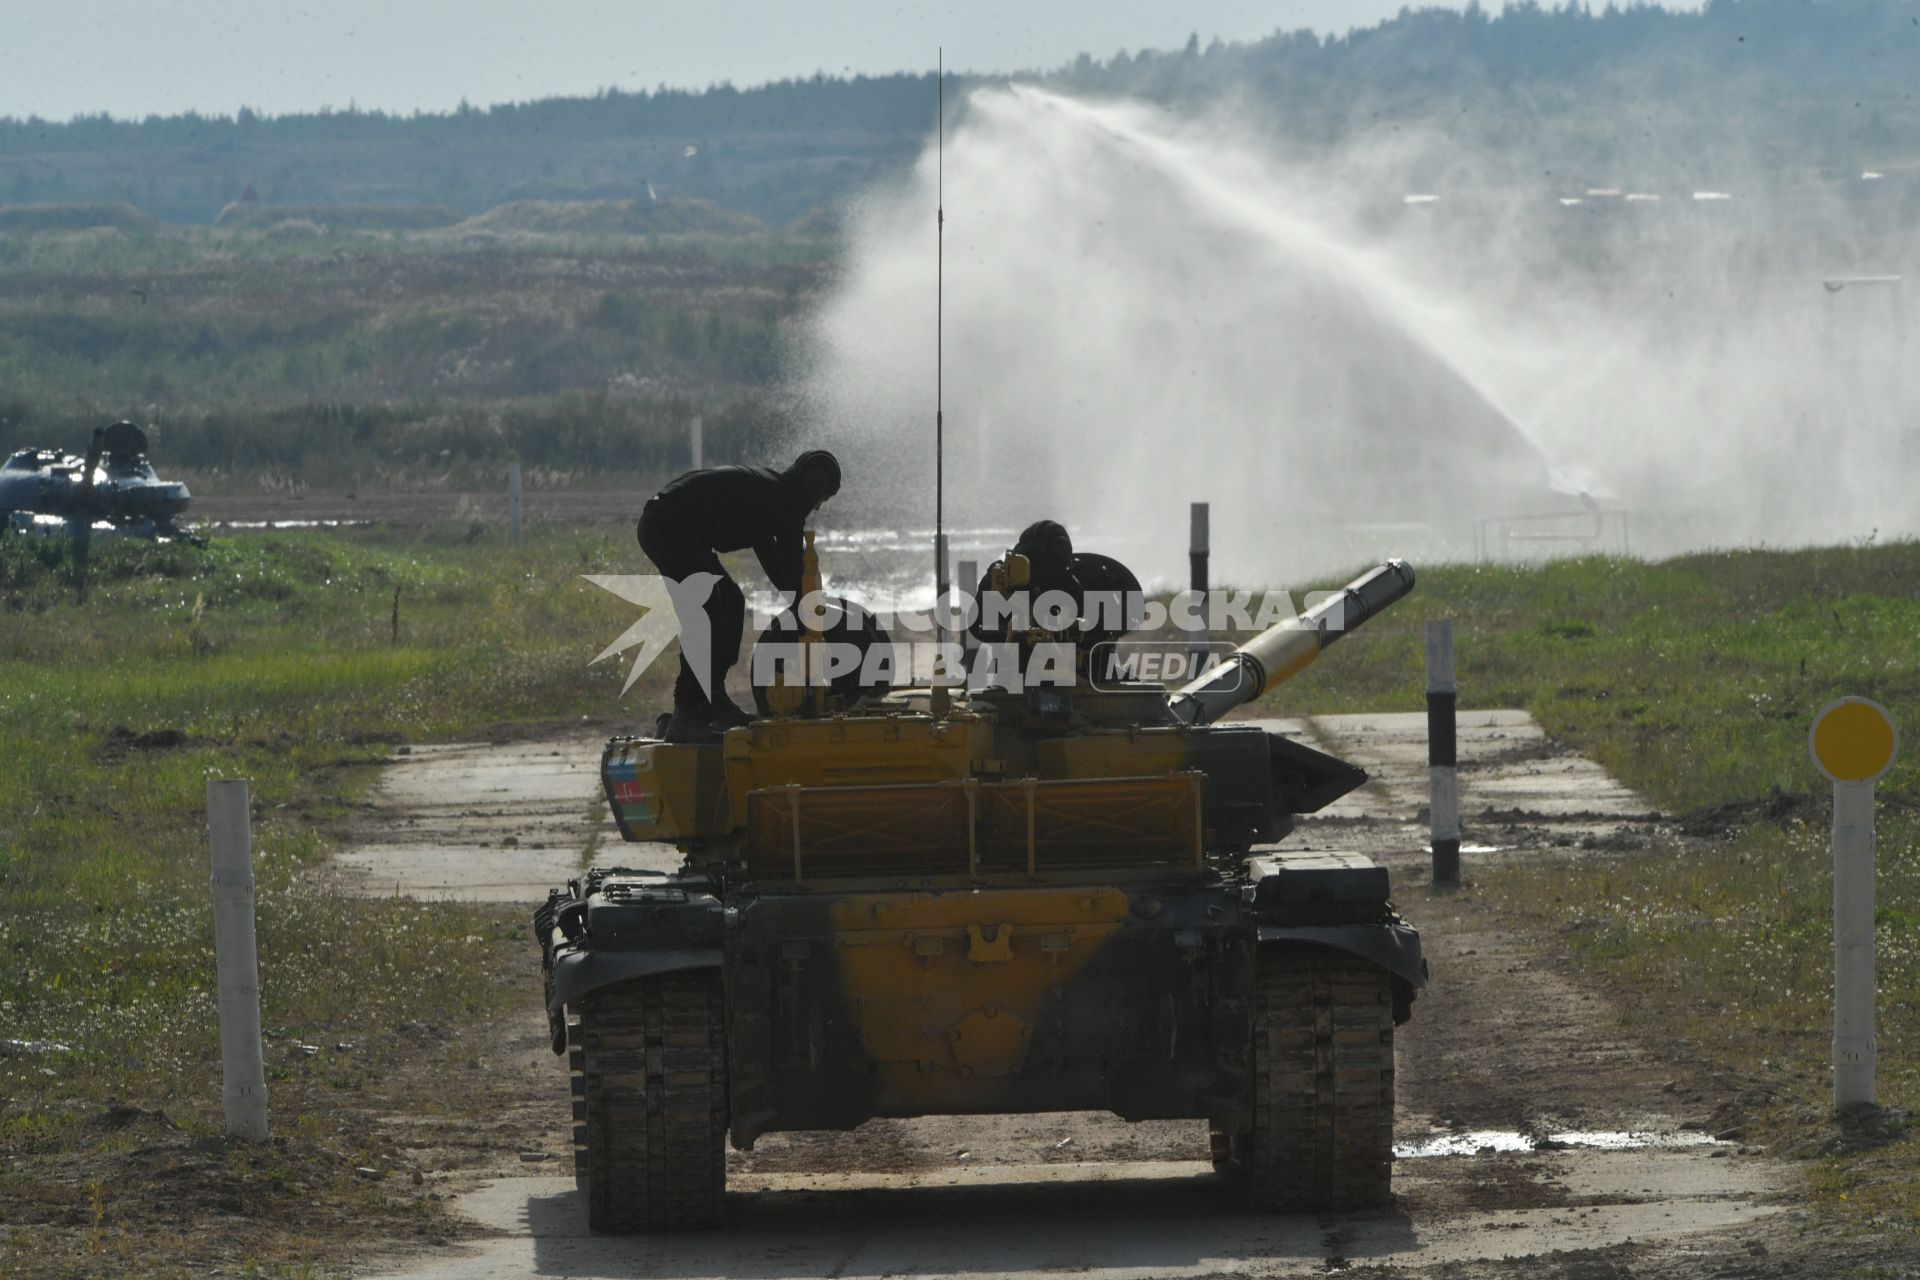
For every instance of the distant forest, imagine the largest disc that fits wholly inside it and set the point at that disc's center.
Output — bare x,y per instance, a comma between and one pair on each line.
1788,83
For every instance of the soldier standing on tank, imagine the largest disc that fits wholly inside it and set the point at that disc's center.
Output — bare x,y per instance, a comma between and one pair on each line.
684,528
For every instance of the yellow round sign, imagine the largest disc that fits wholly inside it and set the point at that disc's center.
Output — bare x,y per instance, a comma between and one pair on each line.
1853,740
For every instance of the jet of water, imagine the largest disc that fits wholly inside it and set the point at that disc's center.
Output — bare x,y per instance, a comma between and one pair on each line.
1135,321
1143,311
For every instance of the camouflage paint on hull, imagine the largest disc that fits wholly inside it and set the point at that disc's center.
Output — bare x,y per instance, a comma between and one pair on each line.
847,1007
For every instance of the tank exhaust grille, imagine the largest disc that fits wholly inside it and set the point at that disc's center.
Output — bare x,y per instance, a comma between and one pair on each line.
977,830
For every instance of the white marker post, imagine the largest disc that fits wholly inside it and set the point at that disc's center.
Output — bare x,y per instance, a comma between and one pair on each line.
1853,742
236,961
1443,772
697,444
513,500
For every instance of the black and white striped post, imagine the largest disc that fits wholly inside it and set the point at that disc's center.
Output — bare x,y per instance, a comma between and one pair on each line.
1197,546
1197,533
1443,775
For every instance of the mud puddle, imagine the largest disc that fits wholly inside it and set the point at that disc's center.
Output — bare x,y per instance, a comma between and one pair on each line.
1132,1220
1504,1141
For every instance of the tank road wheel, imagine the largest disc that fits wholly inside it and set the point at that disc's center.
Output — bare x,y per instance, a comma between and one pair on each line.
1322,1131
650,1103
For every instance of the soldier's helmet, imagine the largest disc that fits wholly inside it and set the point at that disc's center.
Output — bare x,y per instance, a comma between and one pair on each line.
1046,544
817,473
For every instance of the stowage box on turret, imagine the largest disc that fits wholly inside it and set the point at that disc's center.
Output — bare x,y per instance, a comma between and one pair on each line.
935,902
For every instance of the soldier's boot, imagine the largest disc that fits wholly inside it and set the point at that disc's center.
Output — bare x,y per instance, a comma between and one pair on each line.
726,714
692,718
690,725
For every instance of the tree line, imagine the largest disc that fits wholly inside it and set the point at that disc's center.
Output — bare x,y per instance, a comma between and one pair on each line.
1816,76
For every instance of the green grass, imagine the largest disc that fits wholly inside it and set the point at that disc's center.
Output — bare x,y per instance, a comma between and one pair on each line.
398,360
1691,680
277,658
135,246
1694,681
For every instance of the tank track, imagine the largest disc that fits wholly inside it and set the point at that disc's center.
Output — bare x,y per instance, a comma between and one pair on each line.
648,1073
1321,1133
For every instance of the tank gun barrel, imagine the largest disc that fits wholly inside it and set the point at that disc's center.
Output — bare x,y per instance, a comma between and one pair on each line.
1288,647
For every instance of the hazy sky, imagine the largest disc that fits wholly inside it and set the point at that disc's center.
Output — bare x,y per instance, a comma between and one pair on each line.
134,57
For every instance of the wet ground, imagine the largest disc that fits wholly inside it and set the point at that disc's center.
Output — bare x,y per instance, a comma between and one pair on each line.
1538,1134
1519,790
1118,1219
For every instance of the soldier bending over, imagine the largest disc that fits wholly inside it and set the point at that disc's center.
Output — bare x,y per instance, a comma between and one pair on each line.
684,528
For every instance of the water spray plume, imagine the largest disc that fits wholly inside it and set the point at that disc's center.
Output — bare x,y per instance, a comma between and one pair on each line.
1144,313
1132,328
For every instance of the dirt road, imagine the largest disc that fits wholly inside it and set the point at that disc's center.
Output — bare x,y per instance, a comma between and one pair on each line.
496,821
1537,1134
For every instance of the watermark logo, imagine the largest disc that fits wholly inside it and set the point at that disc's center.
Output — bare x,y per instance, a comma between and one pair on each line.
1115,664
1014,641
669,610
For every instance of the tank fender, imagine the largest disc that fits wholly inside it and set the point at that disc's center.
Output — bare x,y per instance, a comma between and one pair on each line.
577,973
1394,947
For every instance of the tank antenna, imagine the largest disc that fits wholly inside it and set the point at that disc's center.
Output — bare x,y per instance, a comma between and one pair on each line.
939,335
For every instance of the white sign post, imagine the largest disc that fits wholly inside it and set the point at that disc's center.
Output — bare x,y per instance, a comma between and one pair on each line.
1853,742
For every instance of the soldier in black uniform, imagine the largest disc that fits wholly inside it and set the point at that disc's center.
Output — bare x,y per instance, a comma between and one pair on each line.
1106,596
685,526
1050,567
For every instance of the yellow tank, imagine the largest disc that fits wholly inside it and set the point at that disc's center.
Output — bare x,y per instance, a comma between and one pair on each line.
988,902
